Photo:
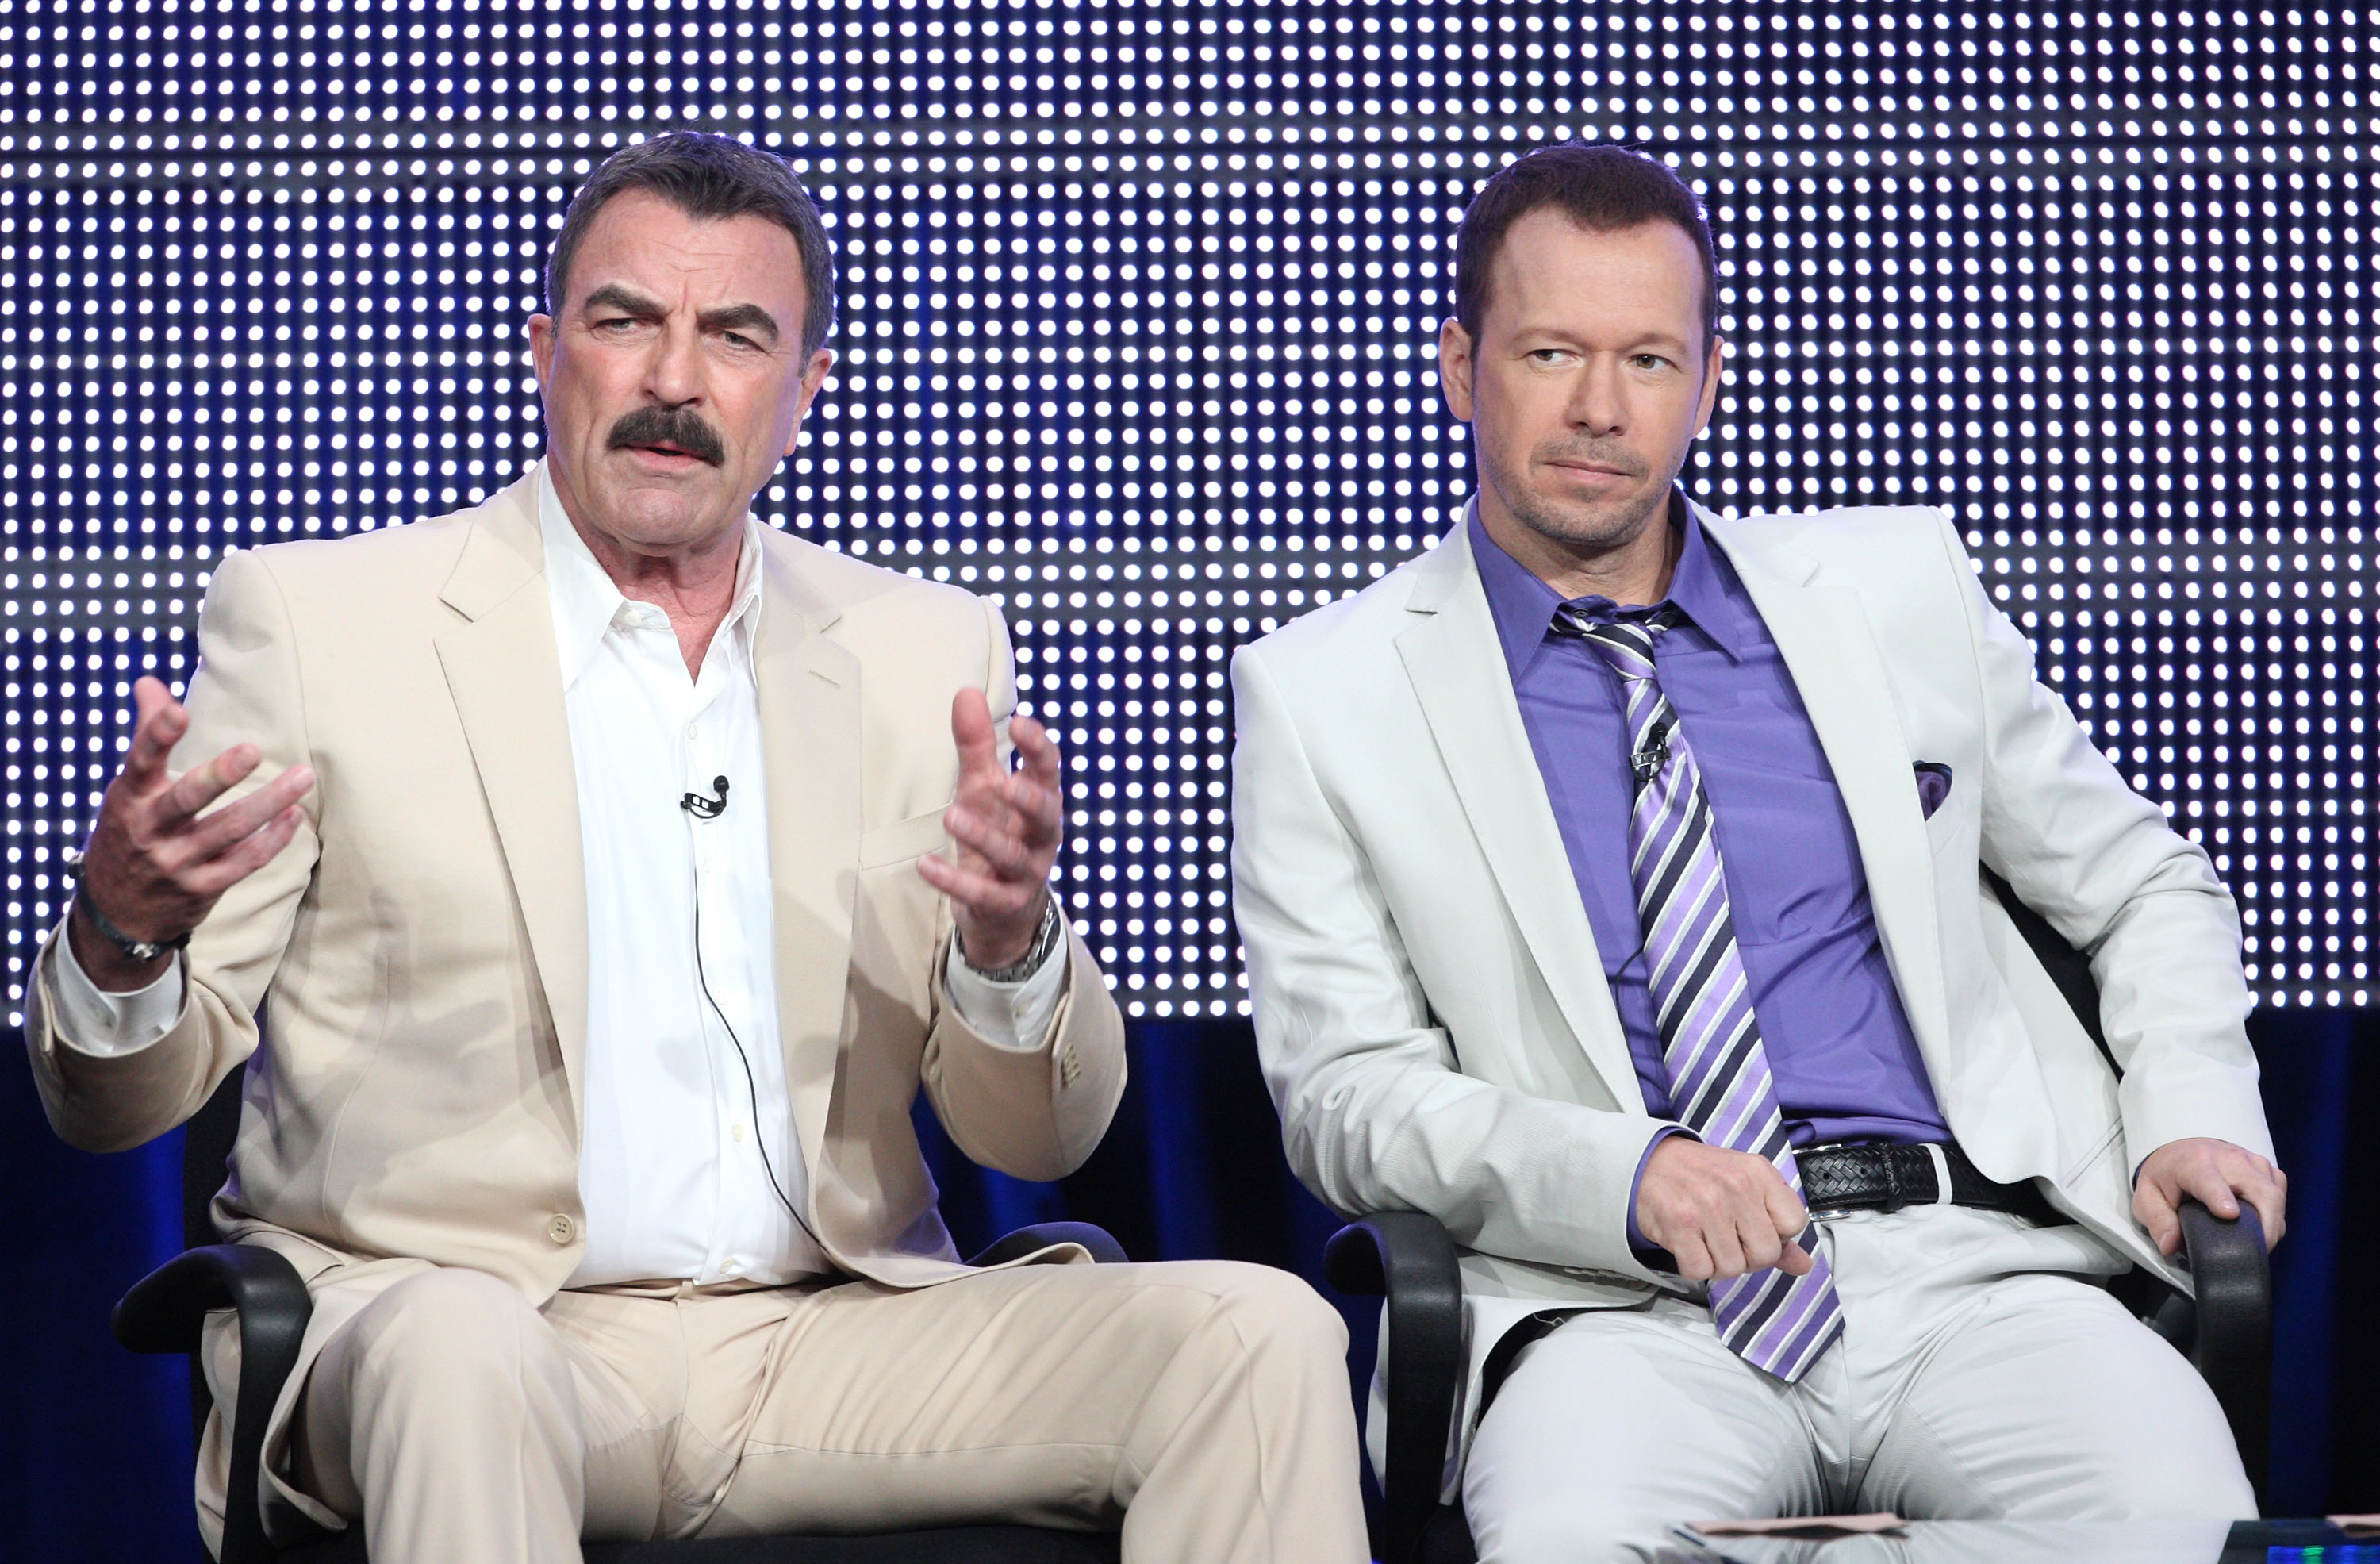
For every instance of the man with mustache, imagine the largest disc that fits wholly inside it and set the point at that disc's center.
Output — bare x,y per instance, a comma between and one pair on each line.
1610,877
587,883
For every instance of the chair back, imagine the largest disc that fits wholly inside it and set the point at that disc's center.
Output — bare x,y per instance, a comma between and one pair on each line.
206,1158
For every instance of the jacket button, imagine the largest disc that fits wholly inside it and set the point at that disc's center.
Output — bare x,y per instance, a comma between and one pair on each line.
561,1229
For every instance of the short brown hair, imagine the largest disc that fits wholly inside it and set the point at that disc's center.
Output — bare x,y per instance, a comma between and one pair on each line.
1602,187
707,177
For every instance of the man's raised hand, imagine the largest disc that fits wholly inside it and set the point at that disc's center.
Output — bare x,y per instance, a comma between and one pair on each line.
155,866
1007,825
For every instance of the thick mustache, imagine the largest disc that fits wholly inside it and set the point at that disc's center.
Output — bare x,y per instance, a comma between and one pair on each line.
679,427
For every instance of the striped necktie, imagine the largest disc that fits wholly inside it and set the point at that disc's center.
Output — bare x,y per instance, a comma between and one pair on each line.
1719,1083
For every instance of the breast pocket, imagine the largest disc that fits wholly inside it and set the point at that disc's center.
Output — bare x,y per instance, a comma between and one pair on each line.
913,838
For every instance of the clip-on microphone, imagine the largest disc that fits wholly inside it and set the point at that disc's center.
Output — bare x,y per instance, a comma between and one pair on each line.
703,808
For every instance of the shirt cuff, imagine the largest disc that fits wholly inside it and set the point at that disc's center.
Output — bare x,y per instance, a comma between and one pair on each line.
1014,1016
93,1022
1636,1238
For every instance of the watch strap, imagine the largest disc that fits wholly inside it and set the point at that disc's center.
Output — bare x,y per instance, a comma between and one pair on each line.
1045,940
138,949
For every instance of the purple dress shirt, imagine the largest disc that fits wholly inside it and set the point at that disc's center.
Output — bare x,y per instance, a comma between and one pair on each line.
1845,1062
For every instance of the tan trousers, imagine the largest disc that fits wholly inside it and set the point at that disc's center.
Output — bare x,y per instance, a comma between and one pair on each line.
1202,1407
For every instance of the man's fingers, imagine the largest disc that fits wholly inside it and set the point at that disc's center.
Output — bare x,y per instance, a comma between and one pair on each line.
1037,749
234,822
1694,1260
973,889
157,728
218,875
2155,1210
201,785
971,730
2211,1188
998,846
1796,1261
1785,1211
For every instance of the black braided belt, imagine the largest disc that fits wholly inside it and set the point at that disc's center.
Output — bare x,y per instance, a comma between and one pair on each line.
1885,1177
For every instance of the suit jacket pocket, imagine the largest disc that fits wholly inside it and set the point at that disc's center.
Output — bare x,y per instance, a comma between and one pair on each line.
913,838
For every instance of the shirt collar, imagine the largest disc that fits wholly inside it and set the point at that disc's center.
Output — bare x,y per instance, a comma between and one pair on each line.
587,604
1703,587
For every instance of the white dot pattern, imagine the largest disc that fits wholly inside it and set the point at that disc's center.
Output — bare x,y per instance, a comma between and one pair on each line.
1139,305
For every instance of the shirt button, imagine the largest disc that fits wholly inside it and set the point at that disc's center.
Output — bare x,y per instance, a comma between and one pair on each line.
561,1229
693,730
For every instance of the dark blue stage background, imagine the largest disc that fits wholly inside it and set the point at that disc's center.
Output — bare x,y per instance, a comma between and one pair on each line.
94,1443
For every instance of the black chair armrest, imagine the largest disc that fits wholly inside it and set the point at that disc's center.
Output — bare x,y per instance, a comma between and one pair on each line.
1104,1249
2232,1347
1409,1258
165,1312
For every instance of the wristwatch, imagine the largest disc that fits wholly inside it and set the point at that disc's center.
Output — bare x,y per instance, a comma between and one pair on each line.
1045,939
137,950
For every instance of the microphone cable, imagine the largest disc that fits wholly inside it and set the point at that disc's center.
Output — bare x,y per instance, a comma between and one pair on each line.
751,1085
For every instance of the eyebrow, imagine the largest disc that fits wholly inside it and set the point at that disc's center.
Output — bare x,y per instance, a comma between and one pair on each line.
729,317
741,317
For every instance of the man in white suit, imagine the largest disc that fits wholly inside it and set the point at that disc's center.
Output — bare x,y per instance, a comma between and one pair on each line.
1610,877
612,872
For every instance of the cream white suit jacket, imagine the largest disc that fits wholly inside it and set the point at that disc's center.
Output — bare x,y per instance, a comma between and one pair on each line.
1429,1003
420,952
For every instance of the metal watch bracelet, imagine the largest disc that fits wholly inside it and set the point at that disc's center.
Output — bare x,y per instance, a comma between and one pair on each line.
1045,940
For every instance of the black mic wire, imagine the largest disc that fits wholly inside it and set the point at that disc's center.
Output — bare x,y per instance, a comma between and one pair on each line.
751,1086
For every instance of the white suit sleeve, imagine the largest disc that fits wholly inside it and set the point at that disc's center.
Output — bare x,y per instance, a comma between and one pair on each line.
104,1025
2103,865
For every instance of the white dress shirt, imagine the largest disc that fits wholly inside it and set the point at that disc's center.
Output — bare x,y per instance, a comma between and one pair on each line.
689,1167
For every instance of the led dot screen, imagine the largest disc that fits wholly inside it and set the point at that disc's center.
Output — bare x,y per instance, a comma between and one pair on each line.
1139,312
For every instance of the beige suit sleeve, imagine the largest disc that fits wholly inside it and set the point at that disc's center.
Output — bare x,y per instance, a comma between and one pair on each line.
2103,866
246,689
1032,1113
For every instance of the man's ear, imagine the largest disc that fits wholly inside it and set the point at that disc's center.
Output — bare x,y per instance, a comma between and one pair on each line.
813,376
1714,369
1455,368
540,347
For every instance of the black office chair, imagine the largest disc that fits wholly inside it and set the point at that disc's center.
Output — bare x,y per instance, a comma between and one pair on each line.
2227,1330
165,1309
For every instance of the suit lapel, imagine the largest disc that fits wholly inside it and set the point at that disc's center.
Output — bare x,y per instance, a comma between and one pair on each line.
809,727
1823,633
1456,663
506,679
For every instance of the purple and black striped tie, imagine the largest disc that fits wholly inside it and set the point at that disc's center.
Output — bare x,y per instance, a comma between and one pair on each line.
1719,1083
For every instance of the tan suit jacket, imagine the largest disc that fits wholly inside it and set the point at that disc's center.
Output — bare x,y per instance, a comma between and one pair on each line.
418,956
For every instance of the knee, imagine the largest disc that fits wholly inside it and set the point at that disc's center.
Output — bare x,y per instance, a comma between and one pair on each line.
446,1323
1276,1315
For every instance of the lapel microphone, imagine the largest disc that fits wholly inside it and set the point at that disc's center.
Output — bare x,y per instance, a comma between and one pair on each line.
703,808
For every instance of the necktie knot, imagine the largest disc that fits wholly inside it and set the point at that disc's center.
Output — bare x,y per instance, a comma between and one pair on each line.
1625,638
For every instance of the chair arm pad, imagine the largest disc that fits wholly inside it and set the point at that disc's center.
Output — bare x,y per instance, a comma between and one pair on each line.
165,1309
1103,1247
2232,1277
1410,1258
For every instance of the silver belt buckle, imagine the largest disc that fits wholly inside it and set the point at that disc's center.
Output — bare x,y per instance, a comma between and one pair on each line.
1835,1213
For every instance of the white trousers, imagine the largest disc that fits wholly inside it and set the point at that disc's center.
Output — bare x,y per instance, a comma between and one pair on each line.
1981,1375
